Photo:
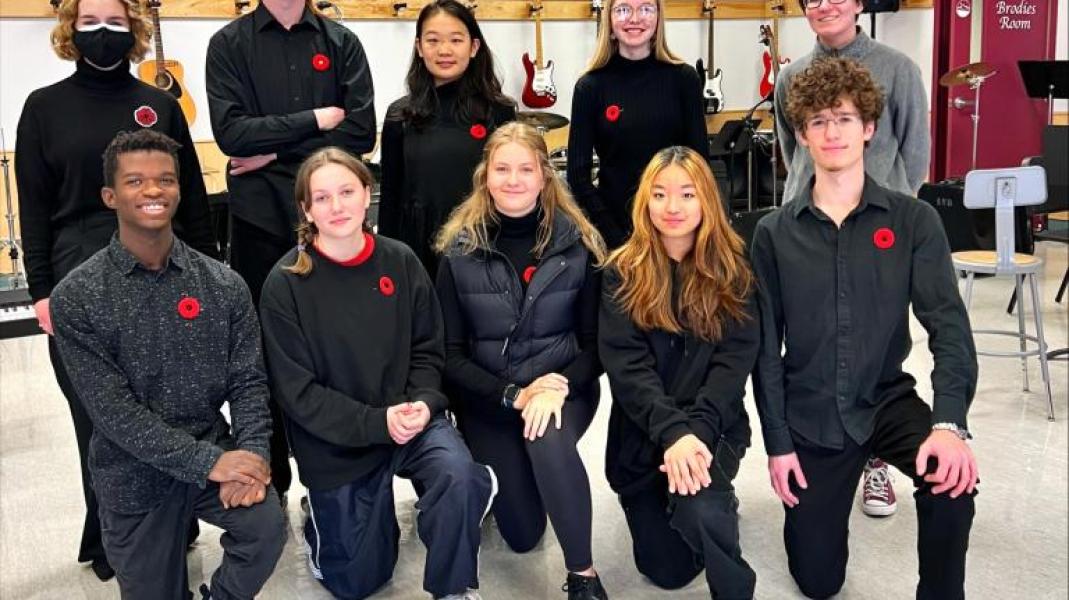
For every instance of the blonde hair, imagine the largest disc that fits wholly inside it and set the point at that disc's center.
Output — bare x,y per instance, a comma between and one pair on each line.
302,192
715,276
67,14
469,222
606,46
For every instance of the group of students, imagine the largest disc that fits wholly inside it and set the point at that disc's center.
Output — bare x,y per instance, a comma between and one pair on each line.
489,294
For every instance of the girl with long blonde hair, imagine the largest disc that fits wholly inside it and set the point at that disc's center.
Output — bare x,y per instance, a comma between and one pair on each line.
519,291
636,98
678,337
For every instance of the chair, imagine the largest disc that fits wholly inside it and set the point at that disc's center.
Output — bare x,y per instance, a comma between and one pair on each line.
1004,189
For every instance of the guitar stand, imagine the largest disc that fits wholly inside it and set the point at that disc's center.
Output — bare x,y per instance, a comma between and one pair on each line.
14,251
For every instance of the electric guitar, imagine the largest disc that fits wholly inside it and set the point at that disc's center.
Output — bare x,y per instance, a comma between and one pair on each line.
538,88
168,75
596,6
712,89
771,59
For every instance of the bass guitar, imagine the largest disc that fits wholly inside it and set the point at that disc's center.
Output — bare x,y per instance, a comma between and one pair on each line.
712,89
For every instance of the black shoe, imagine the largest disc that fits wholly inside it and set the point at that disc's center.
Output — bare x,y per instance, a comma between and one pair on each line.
584,588
102,569
205,593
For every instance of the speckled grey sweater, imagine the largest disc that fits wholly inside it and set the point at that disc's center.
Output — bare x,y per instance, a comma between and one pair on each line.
154,355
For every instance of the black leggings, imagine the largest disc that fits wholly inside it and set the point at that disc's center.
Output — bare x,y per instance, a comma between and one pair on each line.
536,478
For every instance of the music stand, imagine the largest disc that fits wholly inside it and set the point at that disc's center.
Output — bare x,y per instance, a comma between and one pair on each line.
1045,79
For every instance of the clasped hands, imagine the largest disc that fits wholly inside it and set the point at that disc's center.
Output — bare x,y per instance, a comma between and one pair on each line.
243,478
540,402
406,420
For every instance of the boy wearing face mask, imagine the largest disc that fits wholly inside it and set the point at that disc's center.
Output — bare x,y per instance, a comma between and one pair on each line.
62,134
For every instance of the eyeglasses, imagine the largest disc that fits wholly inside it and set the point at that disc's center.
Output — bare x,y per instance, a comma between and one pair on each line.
842,121
817,3
623,11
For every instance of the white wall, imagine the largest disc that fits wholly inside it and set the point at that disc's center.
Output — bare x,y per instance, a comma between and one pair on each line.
27,62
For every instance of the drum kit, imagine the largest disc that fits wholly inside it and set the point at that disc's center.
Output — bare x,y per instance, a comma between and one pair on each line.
545,122
972,75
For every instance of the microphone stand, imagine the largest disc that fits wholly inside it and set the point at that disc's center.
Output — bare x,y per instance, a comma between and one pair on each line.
747,123
13,245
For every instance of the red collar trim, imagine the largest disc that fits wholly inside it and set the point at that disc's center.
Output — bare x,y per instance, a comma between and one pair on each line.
359,259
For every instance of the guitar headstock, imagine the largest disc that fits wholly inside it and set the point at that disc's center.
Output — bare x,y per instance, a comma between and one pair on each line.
708,6
152,4
399,8
767,37
241,6
55,5
471,6
535,8
778,7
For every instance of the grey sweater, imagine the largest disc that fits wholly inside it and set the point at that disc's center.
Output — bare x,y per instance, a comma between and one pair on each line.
897,156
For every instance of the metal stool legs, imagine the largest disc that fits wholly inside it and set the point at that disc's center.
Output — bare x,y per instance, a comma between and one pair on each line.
1044,371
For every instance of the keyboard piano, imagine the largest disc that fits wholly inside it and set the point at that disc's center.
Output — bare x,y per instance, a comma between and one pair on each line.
17,318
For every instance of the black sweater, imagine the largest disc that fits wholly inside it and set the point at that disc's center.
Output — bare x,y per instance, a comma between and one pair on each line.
62,134
344,343
659,105
426,171
665,386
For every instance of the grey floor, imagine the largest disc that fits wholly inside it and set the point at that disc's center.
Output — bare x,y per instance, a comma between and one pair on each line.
1018,545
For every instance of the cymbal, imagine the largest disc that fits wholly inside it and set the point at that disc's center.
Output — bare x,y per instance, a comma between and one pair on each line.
967,74
542,120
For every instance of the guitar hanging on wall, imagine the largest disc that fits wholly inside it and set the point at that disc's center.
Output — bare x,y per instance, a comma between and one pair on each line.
771,58
712,88
538,88
166,74
596,6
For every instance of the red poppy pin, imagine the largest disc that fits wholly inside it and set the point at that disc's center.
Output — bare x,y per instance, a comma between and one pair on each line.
145,116
386,285
477,131
189,308
612,113
320,62
883,238
528,274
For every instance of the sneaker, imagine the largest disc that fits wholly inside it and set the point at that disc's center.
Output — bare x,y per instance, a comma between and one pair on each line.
468,595
878,495
580,587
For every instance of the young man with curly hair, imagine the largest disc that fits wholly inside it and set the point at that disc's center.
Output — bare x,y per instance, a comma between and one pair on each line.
838,269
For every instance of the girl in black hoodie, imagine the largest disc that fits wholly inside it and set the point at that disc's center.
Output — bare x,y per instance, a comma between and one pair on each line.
678,336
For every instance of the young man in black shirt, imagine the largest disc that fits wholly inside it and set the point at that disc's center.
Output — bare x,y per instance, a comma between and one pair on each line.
282,82
156,337
838,270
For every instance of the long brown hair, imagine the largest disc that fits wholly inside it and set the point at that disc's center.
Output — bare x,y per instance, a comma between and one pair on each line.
302,191
606,46
470,221
62,36
715,276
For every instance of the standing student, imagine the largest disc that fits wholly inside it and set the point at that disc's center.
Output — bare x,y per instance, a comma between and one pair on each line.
283,81
519,291
433,137
678,338
839,268
62,133
157,337
896,157
636,98
353,335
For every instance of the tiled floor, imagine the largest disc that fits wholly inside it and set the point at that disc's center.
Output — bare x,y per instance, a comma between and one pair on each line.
1018,545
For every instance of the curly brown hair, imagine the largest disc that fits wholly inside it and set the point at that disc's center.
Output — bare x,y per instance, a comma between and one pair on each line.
825,82
67,14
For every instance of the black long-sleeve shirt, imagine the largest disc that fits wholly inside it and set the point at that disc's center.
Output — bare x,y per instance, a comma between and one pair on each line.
153,371
263,84
655,105
665,386
839,298
345,343
426,171
62,134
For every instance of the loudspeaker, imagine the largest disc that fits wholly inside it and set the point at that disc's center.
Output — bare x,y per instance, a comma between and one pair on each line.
881,6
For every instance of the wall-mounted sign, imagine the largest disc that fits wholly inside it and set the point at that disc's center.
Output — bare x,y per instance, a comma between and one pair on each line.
1016,14
963,8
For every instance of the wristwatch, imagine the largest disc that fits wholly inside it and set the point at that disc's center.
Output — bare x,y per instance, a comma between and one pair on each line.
508,399
954,428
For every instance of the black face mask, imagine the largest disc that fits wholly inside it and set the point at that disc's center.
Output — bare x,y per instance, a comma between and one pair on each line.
103,47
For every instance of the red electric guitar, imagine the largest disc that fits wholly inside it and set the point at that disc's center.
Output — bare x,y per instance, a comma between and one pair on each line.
771,58
538,89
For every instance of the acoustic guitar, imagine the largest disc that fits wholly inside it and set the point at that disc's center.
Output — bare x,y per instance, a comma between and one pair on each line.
538,88
168,75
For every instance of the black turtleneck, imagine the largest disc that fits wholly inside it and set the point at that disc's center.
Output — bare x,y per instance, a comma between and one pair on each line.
659,105
62,134
516,240
426,171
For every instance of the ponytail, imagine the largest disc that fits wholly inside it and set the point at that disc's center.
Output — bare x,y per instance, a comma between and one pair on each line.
305,236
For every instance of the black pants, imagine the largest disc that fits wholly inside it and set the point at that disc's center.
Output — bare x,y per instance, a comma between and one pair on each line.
253,253
148,550
674,537
352,531
536,478
816,530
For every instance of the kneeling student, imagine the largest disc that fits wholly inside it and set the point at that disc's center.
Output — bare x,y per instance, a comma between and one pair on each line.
678,336
157,337
354,344
838,270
